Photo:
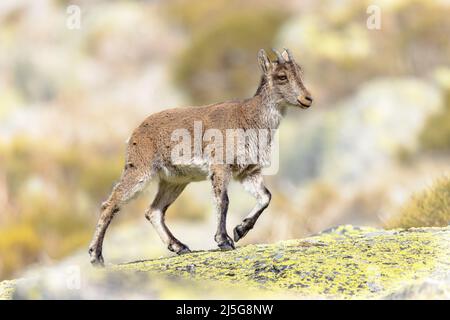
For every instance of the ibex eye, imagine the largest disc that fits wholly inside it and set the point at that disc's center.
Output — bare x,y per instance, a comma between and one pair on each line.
282,78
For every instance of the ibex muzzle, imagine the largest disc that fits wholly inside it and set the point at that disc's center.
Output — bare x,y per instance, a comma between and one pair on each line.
150,154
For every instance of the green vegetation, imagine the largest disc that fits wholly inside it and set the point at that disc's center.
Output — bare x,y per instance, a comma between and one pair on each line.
435,136
430,208
53,196
220,62
19,245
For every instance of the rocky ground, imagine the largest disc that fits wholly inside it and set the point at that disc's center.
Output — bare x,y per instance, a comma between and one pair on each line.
341,263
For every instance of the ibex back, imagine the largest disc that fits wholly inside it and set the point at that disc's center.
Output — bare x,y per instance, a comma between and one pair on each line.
150,154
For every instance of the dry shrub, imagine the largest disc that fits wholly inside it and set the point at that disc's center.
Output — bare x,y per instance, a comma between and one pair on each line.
18,246
429,208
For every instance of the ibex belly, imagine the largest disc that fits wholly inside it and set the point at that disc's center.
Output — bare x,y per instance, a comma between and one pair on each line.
184,173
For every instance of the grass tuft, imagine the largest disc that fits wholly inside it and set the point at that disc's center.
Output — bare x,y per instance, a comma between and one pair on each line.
429,208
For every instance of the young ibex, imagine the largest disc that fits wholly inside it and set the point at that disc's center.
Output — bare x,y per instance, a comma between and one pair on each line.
149,154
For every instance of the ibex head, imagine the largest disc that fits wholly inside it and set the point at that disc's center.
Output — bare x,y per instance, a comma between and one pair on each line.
284,78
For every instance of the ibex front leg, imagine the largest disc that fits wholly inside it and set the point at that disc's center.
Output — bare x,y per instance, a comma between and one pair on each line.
220,177
255,185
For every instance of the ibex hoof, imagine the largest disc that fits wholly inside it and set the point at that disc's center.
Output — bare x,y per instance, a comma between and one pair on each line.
96,259
179,248
184,250
226,244
239,232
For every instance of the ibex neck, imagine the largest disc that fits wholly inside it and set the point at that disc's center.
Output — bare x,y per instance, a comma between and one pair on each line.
270,109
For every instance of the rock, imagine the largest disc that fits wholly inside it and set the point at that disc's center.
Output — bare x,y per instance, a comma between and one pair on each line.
428,289
345,262
7,289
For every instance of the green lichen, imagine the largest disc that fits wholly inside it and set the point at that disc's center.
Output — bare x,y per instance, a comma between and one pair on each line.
345,262
7,289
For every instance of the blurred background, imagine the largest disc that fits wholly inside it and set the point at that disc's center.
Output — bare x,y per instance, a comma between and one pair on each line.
373,150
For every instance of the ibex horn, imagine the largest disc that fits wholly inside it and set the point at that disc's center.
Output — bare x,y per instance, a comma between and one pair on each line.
279,57
291,58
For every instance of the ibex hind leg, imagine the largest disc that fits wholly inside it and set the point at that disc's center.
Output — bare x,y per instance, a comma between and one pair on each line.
131,183
167,194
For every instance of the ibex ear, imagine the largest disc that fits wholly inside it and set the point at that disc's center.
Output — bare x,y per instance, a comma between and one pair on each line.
263,61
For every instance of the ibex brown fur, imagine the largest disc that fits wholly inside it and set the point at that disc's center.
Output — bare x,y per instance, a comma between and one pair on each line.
149,154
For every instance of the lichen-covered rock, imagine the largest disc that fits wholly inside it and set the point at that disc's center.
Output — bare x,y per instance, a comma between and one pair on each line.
344,262
7,289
